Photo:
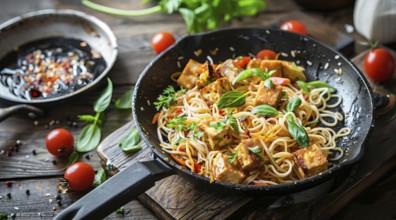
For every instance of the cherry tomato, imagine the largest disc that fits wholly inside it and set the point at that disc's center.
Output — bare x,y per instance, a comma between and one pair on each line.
161,41
266,55
80,176
294,26
242,61
379,64
59,142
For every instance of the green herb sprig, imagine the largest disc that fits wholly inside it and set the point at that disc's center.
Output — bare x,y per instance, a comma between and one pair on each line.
307,86
199,15
265,110
232,99
90,136
293,104
253,72
166,99
130,142
257,151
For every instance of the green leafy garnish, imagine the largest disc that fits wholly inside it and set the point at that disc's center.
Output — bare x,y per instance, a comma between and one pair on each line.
257,151
125,101
217,125
232,158
232,121
307,86
129,143
100,177
178,122
166,99
199,15
253,72
268,83
265,110
232,99
298,132
293,104
89,137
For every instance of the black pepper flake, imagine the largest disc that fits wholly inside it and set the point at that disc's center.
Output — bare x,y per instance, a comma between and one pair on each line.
58,197
8,183
54,162
27,192
59,202
9,195
34,152
87,157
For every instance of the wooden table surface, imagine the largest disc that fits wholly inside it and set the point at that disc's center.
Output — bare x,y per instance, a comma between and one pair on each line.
39,173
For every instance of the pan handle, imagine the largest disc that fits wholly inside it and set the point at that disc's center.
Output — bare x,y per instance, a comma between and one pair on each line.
117,191
32,111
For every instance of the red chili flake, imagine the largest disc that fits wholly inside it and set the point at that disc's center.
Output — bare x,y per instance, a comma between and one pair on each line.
197,167
305,97
178,111
222,112
171,116
8,183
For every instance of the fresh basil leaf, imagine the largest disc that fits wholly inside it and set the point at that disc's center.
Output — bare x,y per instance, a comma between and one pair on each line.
170,6
245,74
232,99
298,132
232,158
87,118
105,98
321,84
284,95
231,120
217,125
257,151
199,134
89,138
304,86
268,83
293,104
265,74
265,110
73,157
100,177
125,101
132,148
130,140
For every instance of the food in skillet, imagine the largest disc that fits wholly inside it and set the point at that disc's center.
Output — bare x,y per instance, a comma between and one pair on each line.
250,121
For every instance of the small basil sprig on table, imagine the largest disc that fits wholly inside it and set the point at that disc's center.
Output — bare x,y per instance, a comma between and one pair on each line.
232,99
297,131
130,142
293,104
89,137
265,110
125,101
100,177
252,72
307,86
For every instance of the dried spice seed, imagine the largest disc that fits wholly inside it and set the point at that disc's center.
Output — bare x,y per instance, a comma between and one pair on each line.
34,152
59,202
58,197
9,195
87,157
27,192
54,162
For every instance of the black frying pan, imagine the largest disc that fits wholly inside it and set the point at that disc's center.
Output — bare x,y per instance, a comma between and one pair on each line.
320,62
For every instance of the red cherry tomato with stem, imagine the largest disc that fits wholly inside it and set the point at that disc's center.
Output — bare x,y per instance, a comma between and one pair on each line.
266,55
80,176
162,41
379,64
59,142
294,26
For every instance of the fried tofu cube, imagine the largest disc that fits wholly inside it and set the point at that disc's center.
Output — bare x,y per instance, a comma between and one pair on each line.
268,96
246,157
228,69
189,75
212,92
225,171
292,71
310,161
216,132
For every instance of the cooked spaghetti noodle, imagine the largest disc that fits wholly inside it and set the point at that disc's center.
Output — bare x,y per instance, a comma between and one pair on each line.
240,143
